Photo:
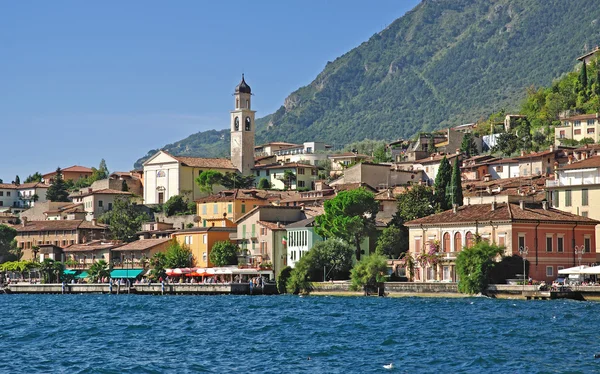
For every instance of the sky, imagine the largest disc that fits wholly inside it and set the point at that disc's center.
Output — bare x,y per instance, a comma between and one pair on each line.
81,81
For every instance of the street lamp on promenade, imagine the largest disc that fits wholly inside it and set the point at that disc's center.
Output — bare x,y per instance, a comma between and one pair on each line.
579,251
523,252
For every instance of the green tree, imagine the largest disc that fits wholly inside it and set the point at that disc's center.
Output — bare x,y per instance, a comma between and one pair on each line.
124,186
224,253
8,244
176,204
57,192
158,263
524,137
178,256
392,242
468,146
264,184
17,180
349,216
369,272
125,219
442,181
506,144
583,79
473,266
36,177
236,180
207,179
282,279
51,271
415,203
455,188
287,178
99,269
381,154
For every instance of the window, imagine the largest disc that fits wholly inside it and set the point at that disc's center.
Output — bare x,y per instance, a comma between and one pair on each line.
501,240
188,240
548,243
301,171
204,239
555,198
109,206
446,245
469,239
560,244
204,257
584,214
418,244
587,244
301,184
591,130
499,169
561,134
7,193
567,197
204,209
584,197
1,193
577,123
229,208
549,271
100,203
243,208
521,241
577,132
457,242
590,122
381,207
215,208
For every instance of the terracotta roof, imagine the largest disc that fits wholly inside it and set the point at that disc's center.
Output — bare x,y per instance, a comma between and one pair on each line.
143,244
436,158
353,186
197,162
313,211
309,222
581,116
204,229
74,169
237,194
59,225
285,166
255,209
92,246
386,195
507,212
271,225
67,208
591,162
349,154
23,186
275,143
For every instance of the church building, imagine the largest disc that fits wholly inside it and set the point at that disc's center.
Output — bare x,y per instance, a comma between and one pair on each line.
167,175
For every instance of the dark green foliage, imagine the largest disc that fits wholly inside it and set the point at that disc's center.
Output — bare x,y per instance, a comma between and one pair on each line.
382,154
282,279
158,263
468,146
178,205
57,192
36,177
415,203
442,181
473,266
17,180
264,184
8,244
583,79
332,255
124,186
508,268
124,220
51,271
392,242
178,256
207,179
455,189
506,144
444,63
368,272
287,178
237,180
349,216
98,270
224,253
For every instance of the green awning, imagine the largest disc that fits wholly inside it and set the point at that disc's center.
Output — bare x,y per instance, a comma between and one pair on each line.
69,272
84,274
126,273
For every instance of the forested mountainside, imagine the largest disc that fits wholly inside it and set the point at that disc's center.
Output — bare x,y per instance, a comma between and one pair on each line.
444,63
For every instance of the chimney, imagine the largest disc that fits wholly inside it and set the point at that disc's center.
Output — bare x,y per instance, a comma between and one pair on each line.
544,204
522,153
94,222
24,221
454,207
552,148
493,206
522,204
278,225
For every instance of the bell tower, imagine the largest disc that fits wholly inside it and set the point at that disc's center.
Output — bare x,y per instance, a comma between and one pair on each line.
242,129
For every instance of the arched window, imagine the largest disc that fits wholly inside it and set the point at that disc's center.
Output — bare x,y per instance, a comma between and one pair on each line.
469,239
446,247
457,242
237,124
248,123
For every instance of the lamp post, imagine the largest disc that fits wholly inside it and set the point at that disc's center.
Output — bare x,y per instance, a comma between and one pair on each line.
523,252
579,252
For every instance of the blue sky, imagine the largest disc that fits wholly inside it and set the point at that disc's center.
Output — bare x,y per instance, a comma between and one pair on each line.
81,81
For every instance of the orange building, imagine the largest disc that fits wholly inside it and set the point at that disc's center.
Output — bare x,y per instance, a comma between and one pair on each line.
553,239
200,240
228,206
72,173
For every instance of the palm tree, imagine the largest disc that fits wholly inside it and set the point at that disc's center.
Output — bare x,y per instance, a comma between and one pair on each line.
158,262
47,270
99,270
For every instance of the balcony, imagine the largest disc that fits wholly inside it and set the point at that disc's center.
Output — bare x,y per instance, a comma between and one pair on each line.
572,182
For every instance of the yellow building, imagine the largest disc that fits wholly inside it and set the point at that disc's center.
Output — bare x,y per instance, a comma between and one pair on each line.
200,240
223,208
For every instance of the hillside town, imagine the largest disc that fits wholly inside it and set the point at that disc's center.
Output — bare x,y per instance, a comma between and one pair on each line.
267,201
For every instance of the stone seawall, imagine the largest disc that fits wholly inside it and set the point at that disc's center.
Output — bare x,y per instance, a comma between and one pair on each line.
143,289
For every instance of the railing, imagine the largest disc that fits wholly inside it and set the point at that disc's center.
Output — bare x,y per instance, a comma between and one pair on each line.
570,182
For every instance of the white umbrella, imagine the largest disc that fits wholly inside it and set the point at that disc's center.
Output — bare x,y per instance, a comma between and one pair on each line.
574,270
591,270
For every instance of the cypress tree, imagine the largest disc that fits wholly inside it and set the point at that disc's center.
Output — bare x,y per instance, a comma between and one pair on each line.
17,180
124,186
583,77
454,190
58,190
442,181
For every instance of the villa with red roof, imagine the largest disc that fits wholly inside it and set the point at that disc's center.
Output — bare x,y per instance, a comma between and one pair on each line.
72,173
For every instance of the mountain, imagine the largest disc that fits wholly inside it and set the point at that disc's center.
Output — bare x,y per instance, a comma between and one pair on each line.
446,62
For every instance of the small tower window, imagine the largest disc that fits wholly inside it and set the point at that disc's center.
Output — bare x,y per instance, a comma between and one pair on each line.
248,122
237,124
237,103
248,104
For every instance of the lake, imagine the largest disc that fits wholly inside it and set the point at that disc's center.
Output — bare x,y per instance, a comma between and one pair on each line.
278,334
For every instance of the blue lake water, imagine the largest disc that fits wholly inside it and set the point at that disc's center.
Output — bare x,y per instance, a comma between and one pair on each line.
277,334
